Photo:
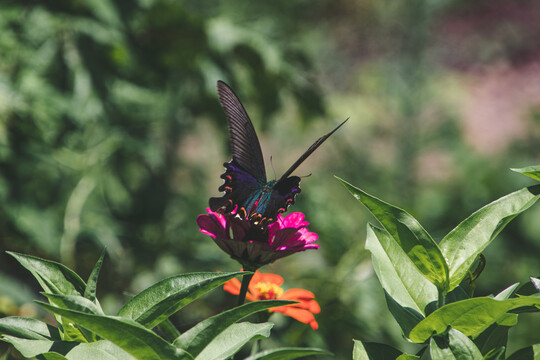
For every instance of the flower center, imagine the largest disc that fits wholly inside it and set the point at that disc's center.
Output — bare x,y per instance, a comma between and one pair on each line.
268,291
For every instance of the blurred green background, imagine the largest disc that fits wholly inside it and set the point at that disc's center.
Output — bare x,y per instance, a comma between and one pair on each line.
111,135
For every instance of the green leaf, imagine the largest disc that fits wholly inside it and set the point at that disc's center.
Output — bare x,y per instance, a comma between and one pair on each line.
409,234
495,354
530,171
529,353
407,318
506,293
168,331
453,345
198,337
400,278
129,335
530,288
77,303
536,283
495,336
374,351
155,304
91,285
407,357
51,356
74,302
5,355
465,242
471,316
286,353
230,341
27,328
53,277
71,350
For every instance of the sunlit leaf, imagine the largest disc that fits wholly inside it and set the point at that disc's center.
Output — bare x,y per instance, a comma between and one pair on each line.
127,334
27,328
230,341
374,351
286,354
463,244
453,346
536,283
506,293
530,171
198,337
70,350
407,357
400,278
161,300
471,316
409,234
53,277
74,302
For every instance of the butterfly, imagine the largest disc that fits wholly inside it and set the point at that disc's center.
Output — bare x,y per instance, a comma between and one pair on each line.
245,186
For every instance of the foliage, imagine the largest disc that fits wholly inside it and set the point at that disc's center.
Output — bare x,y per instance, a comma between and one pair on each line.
425,282
85,332
111,136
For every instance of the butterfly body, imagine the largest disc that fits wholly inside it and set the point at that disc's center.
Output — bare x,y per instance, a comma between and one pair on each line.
245,185
254,199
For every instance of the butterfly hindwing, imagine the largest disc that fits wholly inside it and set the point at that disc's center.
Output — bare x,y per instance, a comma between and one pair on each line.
283,195
239,187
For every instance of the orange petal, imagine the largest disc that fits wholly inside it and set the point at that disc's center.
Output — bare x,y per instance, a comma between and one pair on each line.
297,294
312,306
271,278
301,315
256,277
232,286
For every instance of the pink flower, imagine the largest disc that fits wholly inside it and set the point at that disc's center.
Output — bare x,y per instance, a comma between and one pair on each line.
254,246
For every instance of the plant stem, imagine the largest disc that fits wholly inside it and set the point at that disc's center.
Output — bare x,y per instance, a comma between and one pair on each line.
442,299
244,288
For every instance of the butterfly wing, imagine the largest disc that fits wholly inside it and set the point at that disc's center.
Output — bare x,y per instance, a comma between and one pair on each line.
240,189
244,142
283,195
245,175
309,151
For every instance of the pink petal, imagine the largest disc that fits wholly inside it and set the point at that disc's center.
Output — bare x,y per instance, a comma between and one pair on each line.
294,220
210,225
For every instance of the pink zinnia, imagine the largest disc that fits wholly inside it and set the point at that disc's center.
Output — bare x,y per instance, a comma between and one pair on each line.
254,246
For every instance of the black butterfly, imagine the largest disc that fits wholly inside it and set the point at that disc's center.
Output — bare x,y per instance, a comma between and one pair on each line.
245,186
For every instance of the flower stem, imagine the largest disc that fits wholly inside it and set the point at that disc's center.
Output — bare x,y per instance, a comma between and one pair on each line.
244,288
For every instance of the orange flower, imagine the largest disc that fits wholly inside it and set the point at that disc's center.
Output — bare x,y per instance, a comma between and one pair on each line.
266,286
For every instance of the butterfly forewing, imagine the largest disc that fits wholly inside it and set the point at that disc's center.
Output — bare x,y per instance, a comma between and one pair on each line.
309,151
244,142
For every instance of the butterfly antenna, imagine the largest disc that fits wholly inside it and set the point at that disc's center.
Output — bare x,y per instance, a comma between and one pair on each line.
272,165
